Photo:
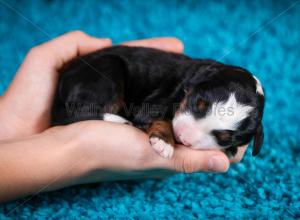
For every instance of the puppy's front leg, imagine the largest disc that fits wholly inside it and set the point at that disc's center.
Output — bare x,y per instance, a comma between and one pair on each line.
161,138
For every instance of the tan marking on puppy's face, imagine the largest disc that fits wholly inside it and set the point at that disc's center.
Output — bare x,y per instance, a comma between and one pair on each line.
183,103
202,104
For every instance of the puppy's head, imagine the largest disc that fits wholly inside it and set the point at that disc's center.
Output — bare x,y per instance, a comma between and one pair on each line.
222,108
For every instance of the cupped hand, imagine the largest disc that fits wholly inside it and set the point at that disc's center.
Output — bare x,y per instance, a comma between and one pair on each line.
107,151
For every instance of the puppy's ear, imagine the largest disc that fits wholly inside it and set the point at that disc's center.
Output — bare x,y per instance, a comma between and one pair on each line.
258,140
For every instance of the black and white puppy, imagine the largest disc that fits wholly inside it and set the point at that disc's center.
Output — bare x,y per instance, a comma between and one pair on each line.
202,104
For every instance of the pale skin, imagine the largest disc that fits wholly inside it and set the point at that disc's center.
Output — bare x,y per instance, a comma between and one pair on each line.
36,158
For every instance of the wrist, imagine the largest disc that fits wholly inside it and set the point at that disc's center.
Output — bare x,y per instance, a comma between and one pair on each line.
5,131
11,126
43,162
78,154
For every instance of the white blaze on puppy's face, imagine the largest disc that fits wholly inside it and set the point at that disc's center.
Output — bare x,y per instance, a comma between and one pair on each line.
259,88
196,133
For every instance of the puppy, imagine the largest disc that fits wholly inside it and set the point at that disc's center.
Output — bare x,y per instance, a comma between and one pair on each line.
202,104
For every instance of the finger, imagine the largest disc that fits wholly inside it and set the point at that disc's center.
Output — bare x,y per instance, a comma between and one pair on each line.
189,160
68,46
240,154
169,44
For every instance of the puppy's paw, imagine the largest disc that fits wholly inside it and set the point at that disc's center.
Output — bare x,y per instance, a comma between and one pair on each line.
115,118
161,147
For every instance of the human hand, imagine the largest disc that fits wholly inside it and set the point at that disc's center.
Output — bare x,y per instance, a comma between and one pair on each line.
102,156
91,151
107,151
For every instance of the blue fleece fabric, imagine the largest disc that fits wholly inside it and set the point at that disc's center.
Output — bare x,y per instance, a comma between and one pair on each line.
262,36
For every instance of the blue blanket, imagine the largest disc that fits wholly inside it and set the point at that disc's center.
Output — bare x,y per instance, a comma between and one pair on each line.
262,36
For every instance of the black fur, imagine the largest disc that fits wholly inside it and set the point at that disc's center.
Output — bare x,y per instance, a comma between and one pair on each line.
143,85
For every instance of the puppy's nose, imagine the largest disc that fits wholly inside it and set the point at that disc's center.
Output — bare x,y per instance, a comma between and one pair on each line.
183,141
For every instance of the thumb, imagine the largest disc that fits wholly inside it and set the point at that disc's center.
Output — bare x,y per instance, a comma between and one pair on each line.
188,160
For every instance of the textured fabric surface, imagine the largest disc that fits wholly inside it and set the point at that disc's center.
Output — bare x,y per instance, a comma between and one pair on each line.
262,36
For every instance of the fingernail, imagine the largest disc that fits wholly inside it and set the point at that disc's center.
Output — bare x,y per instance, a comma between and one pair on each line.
217,164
